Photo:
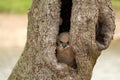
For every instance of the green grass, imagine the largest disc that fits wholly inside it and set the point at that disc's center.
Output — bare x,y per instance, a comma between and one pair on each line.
15,6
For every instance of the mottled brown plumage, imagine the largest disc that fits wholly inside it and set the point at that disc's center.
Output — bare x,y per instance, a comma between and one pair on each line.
65,53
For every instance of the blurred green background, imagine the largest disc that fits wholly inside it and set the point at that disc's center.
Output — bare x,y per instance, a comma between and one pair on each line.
21,6
116,4
15,6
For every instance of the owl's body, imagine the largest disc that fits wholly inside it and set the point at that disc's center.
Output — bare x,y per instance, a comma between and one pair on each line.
65,52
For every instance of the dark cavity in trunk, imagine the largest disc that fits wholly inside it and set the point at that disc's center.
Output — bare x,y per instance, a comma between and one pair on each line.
65,15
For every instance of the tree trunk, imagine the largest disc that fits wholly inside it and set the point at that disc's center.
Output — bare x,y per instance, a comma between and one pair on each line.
91,26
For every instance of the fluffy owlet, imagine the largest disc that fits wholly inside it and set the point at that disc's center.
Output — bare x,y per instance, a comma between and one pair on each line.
64,52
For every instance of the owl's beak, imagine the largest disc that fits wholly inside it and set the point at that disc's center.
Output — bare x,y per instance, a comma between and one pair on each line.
64,45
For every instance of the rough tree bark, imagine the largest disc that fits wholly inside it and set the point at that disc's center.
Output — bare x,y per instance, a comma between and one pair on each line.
91,26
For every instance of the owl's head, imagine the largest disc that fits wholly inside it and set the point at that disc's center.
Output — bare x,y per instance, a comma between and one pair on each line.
63,40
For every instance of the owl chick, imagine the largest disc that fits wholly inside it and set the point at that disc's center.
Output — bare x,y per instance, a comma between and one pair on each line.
64,51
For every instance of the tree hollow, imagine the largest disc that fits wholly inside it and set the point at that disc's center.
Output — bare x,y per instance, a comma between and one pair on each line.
65,15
